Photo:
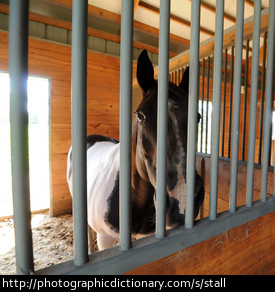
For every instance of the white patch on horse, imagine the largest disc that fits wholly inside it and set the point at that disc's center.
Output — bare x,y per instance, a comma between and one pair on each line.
179,191
102,169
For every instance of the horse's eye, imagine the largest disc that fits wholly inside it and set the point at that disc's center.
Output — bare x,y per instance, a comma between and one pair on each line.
140,116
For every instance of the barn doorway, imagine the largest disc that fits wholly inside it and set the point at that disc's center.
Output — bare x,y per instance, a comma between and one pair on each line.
39,133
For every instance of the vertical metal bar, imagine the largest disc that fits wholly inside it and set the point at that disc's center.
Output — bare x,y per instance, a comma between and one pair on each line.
262,101
268,98
192,112
79,129
236,106
230,103
253,103
224,102
202,104
126,65
245,98
207,101
162,117
18,66
203,179
217,84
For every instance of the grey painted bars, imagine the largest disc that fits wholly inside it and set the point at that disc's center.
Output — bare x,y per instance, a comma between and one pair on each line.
18,66
217,83
268,98
126,64
192,112
79,130
253,103
236,106
162,119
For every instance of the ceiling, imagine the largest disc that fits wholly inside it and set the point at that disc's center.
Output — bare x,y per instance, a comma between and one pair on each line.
147,12
105,16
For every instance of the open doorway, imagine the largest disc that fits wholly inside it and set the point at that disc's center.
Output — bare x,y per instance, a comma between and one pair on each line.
39,133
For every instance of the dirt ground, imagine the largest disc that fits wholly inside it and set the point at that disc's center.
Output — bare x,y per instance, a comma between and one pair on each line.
52,242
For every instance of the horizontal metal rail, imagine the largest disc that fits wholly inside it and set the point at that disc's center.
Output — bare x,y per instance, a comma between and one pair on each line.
149,249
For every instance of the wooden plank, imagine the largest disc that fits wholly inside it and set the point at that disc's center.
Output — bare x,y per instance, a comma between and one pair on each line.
173,17
244,250
91,31
99,12
224,184
207,47
136,2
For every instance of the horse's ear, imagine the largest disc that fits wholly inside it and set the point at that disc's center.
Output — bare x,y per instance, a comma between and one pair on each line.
185,80
145,72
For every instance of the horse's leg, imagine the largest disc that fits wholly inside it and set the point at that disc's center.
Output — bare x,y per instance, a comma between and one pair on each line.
91,244
104,241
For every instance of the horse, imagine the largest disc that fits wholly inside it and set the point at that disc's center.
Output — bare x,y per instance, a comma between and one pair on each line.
103,165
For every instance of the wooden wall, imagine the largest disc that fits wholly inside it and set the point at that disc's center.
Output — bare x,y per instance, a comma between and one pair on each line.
245,250
224,184
54,61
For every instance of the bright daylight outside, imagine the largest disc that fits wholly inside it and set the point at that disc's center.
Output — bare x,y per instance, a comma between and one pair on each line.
38,108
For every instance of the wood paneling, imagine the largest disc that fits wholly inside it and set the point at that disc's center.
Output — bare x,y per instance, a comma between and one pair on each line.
224,184
54,61
244,250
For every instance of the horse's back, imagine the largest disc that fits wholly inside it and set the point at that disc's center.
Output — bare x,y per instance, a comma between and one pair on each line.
102,172
91,141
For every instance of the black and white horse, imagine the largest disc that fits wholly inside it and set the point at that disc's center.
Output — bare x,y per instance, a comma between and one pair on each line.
103,165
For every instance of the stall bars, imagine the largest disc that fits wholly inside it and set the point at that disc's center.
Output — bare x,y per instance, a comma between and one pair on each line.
132,255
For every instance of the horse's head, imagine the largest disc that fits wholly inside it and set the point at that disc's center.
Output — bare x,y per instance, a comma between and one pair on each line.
146,132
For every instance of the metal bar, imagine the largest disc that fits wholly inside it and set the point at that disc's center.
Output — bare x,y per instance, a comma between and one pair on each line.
245,98
126,60
217,84
202,103
230,103
253,103
162,121
224,101
268,99
236,106
203,179
207,101
18,66
192,112
262,101
79,129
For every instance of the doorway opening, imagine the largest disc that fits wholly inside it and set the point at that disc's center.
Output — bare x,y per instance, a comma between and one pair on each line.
39,139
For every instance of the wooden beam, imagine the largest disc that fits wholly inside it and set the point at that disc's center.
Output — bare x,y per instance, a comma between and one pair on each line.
136,2
249,2
173,17
91,31
93,10
212,8
207,47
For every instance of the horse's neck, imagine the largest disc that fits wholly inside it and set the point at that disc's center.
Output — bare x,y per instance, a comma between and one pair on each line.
142,189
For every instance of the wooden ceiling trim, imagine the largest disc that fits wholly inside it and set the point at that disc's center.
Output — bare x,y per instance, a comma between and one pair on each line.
136,2
212,9
207,47
175,18
91,31
93,10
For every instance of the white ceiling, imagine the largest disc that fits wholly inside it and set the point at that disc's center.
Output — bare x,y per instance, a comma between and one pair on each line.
182,9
